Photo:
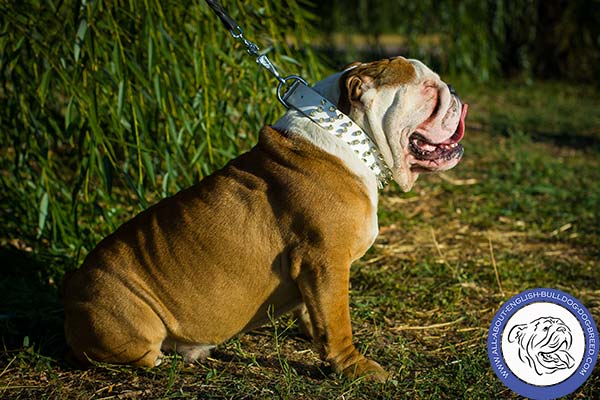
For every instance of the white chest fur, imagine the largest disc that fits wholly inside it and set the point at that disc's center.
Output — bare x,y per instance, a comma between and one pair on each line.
317,120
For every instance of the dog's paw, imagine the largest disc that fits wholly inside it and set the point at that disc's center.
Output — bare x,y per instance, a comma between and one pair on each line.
304,323
192,353
367,370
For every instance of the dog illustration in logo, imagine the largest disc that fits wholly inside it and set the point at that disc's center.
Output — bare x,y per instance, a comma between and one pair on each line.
544,344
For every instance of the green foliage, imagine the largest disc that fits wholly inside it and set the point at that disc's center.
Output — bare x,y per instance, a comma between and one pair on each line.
483,38
524,201
110,105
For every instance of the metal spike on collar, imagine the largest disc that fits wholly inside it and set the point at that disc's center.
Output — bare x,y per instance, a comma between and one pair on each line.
324,113
301,97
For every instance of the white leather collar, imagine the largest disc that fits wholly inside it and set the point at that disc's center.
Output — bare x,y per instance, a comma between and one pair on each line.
325,114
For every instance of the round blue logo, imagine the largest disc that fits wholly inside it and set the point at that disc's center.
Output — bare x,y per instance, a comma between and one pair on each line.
542,344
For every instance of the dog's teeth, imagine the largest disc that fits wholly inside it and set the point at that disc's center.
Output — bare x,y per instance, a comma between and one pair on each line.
428,147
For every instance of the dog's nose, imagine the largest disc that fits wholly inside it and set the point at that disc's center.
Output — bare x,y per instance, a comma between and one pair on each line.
453,92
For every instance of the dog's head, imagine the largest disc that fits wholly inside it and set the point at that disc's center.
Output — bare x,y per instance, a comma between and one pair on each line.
415,119
544,344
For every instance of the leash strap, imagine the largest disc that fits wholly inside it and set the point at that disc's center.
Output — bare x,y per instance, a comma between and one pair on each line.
229,23
294,92
251,48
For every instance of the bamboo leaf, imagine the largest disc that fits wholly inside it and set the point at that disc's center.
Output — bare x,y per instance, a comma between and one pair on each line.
149,167
116,60
42,214
120,99
157,89
165,185
79,38
107,173
149,91
70,113
150,55
44,85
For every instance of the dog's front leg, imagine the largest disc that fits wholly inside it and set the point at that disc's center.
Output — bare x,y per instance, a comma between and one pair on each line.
324,289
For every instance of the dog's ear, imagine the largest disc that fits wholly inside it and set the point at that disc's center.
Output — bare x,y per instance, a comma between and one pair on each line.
354,88
516,333
358,77
351,89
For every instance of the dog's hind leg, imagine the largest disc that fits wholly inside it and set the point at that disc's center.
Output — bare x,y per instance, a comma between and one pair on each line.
130,333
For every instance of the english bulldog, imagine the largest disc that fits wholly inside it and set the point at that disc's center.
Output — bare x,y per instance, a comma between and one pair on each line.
544,344
276,229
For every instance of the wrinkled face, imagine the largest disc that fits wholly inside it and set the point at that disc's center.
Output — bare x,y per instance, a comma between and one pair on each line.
544,344
415,118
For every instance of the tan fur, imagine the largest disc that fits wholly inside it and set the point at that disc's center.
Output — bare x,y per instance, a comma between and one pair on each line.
388,72
276,229
208,263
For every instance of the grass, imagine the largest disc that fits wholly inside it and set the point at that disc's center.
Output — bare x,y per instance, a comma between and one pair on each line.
109,106
525,201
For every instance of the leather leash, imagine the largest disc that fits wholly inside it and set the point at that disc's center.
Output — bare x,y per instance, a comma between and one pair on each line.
252,49
311,104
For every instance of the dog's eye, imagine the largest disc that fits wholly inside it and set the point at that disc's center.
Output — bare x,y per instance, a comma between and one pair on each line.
546,329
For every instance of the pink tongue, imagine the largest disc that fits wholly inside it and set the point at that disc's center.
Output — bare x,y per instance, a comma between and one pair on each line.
460,131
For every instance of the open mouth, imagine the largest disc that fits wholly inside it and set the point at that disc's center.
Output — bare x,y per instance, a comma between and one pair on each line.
424,150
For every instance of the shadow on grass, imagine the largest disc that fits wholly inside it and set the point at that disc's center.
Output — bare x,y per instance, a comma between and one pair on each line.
564,139
31,313
308,370
567,139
